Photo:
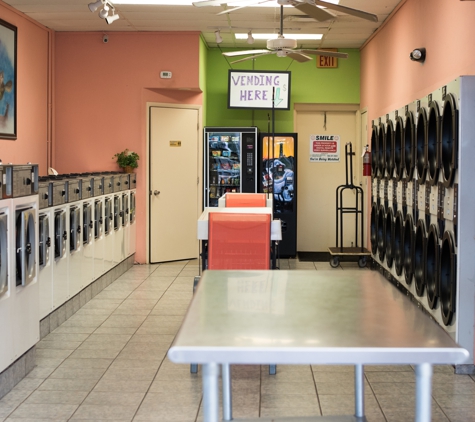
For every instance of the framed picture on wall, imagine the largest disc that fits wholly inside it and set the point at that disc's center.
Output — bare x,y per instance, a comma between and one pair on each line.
8,80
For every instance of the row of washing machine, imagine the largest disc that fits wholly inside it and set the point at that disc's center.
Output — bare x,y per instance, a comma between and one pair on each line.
19,323
423,209
86,227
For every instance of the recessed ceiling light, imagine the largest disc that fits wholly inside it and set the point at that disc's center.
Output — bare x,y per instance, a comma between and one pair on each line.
244,36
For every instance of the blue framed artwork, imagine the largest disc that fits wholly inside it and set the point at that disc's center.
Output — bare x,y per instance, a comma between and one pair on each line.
8,81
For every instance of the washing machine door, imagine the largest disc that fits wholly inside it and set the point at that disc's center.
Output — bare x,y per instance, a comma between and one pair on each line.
117,212
3,253
432,266
409,146
398,148
399,243
447,278
98,220
389,149
419,257
132,207
389,237
408,249
374,228
449,140
87,223
60,234
381,233
25,246
421,144
45,240
125,209
374,151
381,150
108,215
74,228
433,134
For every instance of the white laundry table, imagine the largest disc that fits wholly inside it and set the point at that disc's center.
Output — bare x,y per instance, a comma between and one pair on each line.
309,317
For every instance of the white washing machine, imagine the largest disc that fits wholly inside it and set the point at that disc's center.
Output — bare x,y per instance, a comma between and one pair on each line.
132,216
6,333
117,228
88,241
98,219
109,232
125,220
23,233
46,247
60,245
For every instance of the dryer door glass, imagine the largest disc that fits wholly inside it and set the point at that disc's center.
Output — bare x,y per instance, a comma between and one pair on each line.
98,219
31,245
60,234
108,215
132,207
125,209
25,246
44,241
3,253
117,212
74,228
87,223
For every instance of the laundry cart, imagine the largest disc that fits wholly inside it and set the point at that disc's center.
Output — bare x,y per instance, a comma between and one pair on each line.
356,249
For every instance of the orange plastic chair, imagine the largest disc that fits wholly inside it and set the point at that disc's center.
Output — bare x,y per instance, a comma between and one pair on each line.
239,241
245,200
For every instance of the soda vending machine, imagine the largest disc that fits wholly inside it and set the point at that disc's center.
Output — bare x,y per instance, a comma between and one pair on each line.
278,170
230,162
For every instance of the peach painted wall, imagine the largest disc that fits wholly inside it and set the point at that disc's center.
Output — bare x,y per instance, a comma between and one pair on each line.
389,79
32,92
101,91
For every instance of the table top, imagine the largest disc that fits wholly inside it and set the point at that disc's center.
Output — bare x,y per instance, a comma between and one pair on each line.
297,317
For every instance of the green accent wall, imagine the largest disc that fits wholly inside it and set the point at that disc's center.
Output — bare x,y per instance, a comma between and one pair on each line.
203,48
309,84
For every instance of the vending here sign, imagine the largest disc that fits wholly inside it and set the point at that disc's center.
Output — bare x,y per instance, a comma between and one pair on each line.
325,148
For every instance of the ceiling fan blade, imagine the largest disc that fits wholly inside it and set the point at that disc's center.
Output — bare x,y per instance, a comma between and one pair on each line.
325,53
314,12
347,10
208,3
243,53
298,57
242,7
253,57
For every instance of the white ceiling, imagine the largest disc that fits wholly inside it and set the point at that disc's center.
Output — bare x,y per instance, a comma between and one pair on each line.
342,32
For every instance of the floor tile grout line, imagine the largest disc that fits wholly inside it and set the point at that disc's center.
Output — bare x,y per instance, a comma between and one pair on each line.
375,396
316,390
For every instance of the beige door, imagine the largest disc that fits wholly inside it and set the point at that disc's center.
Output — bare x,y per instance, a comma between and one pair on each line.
317,181
174,146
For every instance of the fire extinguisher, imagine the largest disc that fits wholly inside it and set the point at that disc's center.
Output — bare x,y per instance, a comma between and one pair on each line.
367,162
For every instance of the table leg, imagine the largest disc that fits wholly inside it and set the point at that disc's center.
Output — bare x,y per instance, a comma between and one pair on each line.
423,392
359,391
210,392
227,392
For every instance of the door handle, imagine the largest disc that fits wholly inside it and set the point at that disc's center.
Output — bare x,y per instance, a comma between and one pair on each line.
156,192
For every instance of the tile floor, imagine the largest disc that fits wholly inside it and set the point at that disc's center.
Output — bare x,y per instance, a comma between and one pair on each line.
108,363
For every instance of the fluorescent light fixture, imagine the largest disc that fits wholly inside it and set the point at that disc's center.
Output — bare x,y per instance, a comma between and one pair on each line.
190,2
244,36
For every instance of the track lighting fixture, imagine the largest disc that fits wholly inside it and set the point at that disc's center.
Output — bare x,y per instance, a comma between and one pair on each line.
104,13
217,35
94,6
418,55
250,38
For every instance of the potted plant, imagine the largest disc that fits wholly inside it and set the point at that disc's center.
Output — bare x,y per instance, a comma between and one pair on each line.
128,160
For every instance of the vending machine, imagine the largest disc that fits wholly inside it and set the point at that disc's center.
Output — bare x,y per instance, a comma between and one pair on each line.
278,171
230,162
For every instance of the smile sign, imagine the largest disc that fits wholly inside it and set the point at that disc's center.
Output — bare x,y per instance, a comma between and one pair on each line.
257,89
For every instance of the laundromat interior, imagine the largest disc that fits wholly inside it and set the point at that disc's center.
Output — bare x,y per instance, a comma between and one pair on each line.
86,90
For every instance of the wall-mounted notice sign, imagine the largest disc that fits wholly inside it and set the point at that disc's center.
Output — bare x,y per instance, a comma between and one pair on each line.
324,148
256,89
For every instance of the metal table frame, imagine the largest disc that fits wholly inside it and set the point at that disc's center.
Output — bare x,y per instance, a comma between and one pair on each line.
364,329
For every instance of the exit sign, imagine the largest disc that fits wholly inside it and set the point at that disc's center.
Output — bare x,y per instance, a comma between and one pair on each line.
324,61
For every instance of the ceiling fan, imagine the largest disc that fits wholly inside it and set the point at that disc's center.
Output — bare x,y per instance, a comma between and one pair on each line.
309,7
283,47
